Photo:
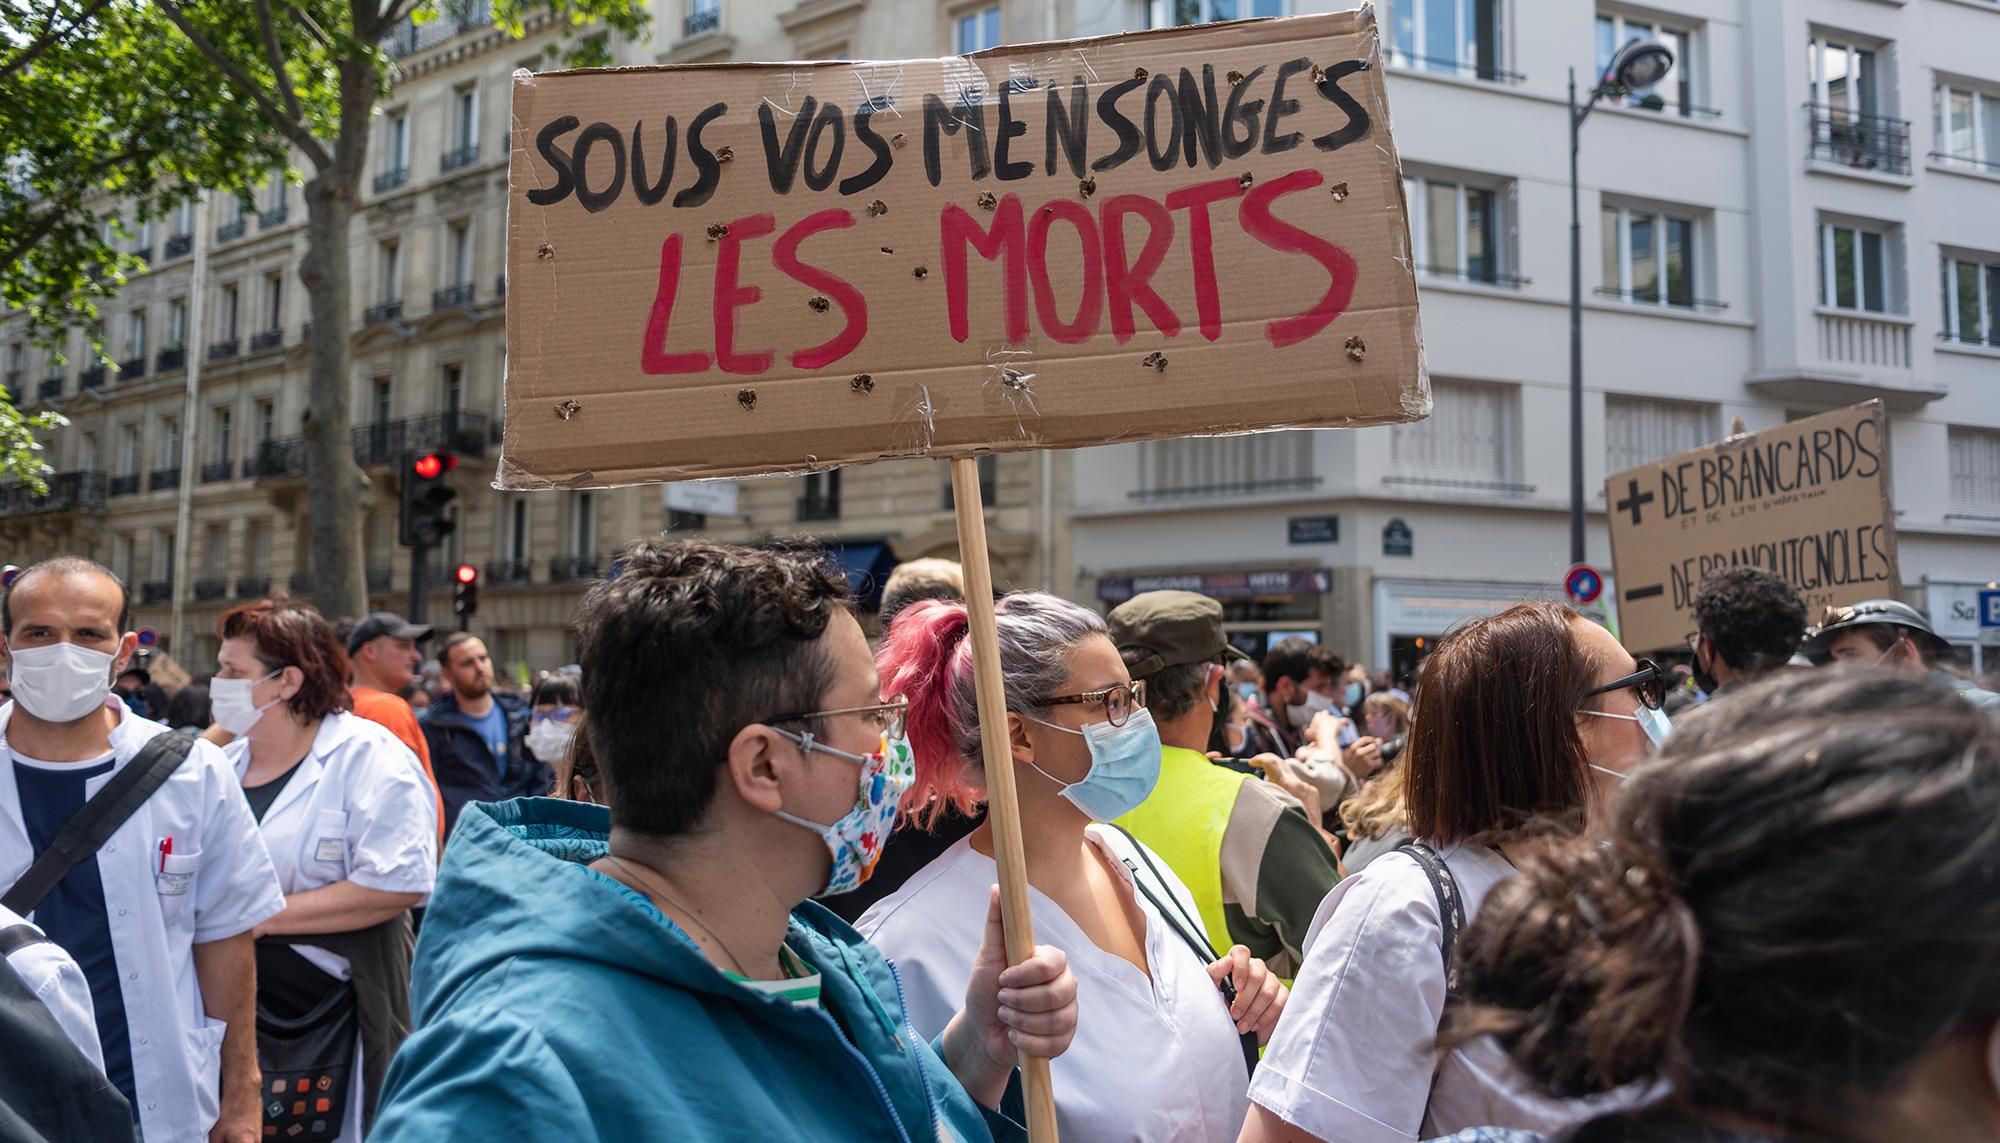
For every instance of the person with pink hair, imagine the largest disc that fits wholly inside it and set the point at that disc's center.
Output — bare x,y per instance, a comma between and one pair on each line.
1085,751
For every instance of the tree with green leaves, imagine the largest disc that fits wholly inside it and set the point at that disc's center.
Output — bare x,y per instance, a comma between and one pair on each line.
145,102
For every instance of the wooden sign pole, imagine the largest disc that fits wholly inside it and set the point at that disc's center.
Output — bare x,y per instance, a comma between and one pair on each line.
1002,809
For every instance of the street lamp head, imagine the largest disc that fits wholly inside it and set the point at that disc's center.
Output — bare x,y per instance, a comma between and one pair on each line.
1639,65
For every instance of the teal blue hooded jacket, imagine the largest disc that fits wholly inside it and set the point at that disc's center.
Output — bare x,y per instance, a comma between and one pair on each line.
551,1002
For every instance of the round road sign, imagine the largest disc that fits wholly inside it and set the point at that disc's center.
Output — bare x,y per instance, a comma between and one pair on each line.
1583,585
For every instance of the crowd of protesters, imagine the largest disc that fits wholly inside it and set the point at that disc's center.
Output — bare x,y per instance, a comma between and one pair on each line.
730,876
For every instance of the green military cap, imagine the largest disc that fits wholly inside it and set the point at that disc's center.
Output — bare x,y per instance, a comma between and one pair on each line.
1172,627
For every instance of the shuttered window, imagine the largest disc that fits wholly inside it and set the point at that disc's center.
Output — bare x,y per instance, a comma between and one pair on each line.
1464,442
1975,472
1220,466
1639,430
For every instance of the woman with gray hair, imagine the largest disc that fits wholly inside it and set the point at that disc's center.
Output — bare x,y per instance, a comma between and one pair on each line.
1085,752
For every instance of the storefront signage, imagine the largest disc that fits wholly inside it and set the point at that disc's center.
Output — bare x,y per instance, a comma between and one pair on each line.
1313,530
1397,539
1222,585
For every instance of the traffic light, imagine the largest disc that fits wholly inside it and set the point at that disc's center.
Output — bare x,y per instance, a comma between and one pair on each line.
464,591
426,497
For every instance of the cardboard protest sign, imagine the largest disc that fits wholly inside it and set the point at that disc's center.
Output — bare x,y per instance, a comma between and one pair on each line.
167,672
731,269
1808,500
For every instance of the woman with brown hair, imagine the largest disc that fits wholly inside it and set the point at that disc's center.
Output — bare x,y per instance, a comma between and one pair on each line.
1793,926
350,822
1523,723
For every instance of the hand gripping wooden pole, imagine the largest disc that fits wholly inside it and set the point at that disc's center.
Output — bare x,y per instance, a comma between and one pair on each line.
1002,810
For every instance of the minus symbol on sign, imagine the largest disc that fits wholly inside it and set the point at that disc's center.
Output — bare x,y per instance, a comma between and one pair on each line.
1639,593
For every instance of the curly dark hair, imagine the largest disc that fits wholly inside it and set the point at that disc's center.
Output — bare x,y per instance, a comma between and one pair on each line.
693,641
1294,658
1752,618
1795,903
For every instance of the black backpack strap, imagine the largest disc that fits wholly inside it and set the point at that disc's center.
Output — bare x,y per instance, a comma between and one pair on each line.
1186,928
90,827
14,938
1451,906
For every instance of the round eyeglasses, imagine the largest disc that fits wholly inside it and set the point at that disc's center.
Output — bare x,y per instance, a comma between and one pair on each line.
1118,701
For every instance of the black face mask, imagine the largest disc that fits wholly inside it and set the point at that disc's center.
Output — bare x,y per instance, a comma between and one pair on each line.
1702,678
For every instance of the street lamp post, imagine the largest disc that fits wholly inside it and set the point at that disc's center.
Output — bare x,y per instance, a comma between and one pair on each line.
1637,66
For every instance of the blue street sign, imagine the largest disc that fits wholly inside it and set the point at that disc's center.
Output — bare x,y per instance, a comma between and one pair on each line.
1989,609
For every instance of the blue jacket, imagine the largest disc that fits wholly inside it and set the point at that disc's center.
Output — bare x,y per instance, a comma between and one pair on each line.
552,1002
464,767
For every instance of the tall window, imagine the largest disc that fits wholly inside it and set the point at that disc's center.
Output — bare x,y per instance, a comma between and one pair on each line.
1968,126
1972,300
221,436
267,421
274,301
86,453
1463,443
1225,466
517,530
389,272
1975,472
1175,13
163,555
170,442
177,321
183,220
121,556
1458,37
1854,268
274,191
258,544
396,143
582,524
384,408
215,551
977,30
1676,94
465,117
1648,256
458,248
128,450
1457,228
1639,430
135,335
226,318
454,391
1842,78
819,496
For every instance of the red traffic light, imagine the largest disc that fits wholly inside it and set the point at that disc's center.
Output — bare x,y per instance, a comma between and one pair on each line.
432,465
466,573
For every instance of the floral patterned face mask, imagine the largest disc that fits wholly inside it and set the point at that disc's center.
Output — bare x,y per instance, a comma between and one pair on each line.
856,840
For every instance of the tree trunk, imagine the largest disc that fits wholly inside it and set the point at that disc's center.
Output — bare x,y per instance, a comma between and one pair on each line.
334,483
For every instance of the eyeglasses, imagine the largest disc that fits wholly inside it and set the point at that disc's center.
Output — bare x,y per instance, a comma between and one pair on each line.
1648,680
1118,701
1694,643
559,714
888,717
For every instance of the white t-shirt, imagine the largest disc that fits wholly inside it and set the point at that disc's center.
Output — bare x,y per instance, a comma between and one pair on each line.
1153,1060
53,976
1352,1059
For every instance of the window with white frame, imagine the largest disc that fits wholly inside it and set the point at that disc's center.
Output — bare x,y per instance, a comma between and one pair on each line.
1842,78
257,542
121,555
163,555
86,453
1649,256
1177,13
1641,430
1226,466
1674,95
135,335
1975,472
1972,299
976,30
221,434
395,143
458,251
128,450
227,314
1458,37
582,524
1855,267
267,420
389,272
454,390
1465,442
177,323
1968,126
465,117
183,220
274,301
274,191
1458,228
170,443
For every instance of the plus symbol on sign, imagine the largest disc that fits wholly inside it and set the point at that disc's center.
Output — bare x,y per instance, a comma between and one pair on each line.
1633,499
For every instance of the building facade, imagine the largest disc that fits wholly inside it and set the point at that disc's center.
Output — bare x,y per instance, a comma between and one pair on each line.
1805,214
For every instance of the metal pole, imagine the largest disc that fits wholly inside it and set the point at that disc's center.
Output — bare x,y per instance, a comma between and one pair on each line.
193,348
419,591
1576,551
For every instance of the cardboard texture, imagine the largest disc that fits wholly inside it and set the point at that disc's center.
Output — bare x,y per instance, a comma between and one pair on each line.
1808,500
722,270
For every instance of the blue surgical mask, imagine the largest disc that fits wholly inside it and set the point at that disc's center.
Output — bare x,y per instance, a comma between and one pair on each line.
1124,766
1248,691
1655,723
1351,697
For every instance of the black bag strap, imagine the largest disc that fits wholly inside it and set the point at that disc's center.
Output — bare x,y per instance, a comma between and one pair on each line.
1451,906
14,938
90,827
1187,929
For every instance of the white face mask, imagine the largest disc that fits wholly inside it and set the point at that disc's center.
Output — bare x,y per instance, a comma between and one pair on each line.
61,682
235,710
549,739
1302,714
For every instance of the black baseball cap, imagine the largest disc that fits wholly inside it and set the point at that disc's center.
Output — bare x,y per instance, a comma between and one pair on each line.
376,624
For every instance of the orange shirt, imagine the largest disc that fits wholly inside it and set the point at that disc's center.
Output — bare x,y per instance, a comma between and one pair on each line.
394,713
